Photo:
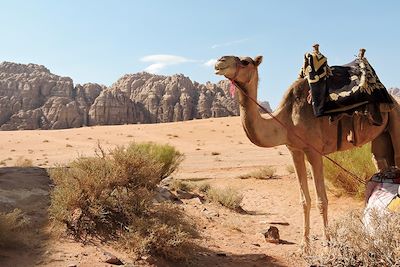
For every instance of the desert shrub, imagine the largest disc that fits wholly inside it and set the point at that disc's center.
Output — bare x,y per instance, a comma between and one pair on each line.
13,226
181,185
111,197
358,161
227,197
351,245
166,231
266,172
167,155
23,162
203,187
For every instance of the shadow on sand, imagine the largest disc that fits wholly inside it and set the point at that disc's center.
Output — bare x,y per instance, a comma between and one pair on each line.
27,189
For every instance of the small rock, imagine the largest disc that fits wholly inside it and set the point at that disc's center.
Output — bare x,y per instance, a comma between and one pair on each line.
163,194
112,259
272,235
196,200
210,214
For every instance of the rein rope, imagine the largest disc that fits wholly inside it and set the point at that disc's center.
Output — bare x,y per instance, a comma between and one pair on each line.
234,84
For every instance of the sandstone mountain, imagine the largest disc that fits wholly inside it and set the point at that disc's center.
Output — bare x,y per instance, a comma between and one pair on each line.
395,91
31,97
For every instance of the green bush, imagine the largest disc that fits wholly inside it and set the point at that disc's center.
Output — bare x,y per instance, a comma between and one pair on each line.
358,161
111,197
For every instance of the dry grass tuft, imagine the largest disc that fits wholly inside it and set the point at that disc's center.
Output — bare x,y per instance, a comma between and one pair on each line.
227,197
110,197
203,187
23,162
13,229
357,161
178,184
352,245
267,172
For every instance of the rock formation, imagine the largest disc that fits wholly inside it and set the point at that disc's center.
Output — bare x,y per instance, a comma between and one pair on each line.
31,97
395,91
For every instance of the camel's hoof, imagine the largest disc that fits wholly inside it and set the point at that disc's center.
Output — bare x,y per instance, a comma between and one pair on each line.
304,250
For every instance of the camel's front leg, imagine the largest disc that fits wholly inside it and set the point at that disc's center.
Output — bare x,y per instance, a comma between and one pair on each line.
301,173
318,175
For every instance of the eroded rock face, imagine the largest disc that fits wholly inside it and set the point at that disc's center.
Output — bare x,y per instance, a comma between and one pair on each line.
31,97
395,91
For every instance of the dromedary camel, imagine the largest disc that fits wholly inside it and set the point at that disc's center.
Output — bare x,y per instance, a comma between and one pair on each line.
298,117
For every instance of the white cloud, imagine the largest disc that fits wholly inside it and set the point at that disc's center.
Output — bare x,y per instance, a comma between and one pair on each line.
159,62
230,43
210,62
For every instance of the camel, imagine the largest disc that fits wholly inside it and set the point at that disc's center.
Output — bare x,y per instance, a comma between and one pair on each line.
298,117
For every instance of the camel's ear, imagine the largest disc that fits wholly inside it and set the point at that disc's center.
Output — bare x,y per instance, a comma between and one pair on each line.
258,60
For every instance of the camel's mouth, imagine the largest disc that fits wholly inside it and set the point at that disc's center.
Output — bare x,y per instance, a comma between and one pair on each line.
220,67
220,70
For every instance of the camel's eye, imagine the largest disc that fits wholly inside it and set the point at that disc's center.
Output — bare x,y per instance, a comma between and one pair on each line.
244,62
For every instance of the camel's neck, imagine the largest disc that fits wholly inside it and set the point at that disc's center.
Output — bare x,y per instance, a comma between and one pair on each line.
264,132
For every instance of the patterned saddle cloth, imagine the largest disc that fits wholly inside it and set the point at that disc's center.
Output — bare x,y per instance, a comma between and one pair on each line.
339,89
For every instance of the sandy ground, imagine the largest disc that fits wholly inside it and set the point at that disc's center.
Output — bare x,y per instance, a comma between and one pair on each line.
216,151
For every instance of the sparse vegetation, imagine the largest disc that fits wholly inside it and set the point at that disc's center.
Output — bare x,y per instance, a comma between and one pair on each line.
227,197
13,226
215,153
181,185
357,161
110,197
266,172
203,187
351,245
23,162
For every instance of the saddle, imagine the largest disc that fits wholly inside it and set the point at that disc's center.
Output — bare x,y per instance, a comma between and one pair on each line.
339,91
344,89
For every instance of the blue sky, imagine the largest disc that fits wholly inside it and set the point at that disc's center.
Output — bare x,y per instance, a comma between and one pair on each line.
99,41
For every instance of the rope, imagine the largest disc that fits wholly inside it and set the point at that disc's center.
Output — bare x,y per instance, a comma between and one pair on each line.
354,176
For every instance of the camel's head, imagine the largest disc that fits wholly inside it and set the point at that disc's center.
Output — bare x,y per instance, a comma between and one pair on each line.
240,69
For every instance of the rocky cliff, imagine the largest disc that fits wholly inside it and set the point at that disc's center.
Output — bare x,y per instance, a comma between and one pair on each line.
395,91
31,97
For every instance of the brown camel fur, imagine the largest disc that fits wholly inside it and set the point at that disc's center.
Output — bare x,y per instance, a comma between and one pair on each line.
297,115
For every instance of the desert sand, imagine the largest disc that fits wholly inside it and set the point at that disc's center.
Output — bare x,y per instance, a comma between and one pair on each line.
216,151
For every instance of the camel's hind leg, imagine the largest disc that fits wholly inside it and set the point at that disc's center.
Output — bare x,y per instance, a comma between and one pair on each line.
382,151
